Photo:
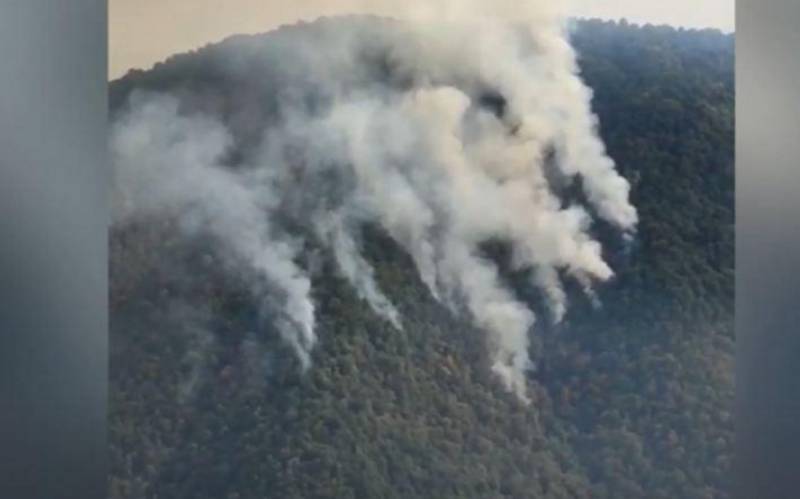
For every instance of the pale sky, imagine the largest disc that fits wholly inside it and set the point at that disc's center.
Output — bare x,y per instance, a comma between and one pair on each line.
143,32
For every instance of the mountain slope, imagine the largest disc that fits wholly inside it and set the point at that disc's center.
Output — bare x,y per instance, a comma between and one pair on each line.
632,399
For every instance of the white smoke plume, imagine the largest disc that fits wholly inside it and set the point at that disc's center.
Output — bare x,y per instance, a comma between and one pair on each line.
169,164
446,149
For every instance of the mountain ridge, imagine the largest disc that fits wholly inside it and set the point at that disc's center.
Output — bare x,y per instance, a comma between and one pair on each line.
629,399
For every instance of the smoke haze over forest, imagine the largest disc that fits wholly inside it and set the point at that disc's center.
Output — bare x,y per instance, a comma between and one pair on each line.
447,132
449,256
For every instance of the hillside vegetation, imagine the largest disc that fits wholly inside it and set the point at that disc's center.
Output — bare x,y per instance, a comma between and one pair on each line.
631,399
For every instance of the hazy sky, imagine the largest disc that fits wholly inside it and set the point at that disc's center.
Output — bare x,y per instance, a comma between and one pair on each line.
143,32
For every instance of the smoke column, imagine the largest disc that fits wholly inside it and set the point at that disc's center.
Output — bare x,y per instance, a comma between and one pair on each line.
439,129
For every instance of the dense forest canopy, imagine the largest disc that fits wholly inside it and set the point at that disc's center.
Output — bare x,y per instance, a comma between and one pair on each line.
632,392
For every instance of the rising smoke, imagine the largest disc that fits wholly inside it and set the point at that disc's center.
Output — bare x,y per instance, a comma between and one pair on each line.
444,130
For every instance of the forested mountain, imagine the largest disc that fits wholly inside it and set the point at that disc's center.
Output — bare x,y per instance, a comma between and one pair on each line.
631,396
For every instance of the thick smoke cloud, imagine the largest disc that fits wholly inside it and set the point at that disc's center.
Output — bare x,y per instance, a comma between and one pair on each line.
169,165
444,131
